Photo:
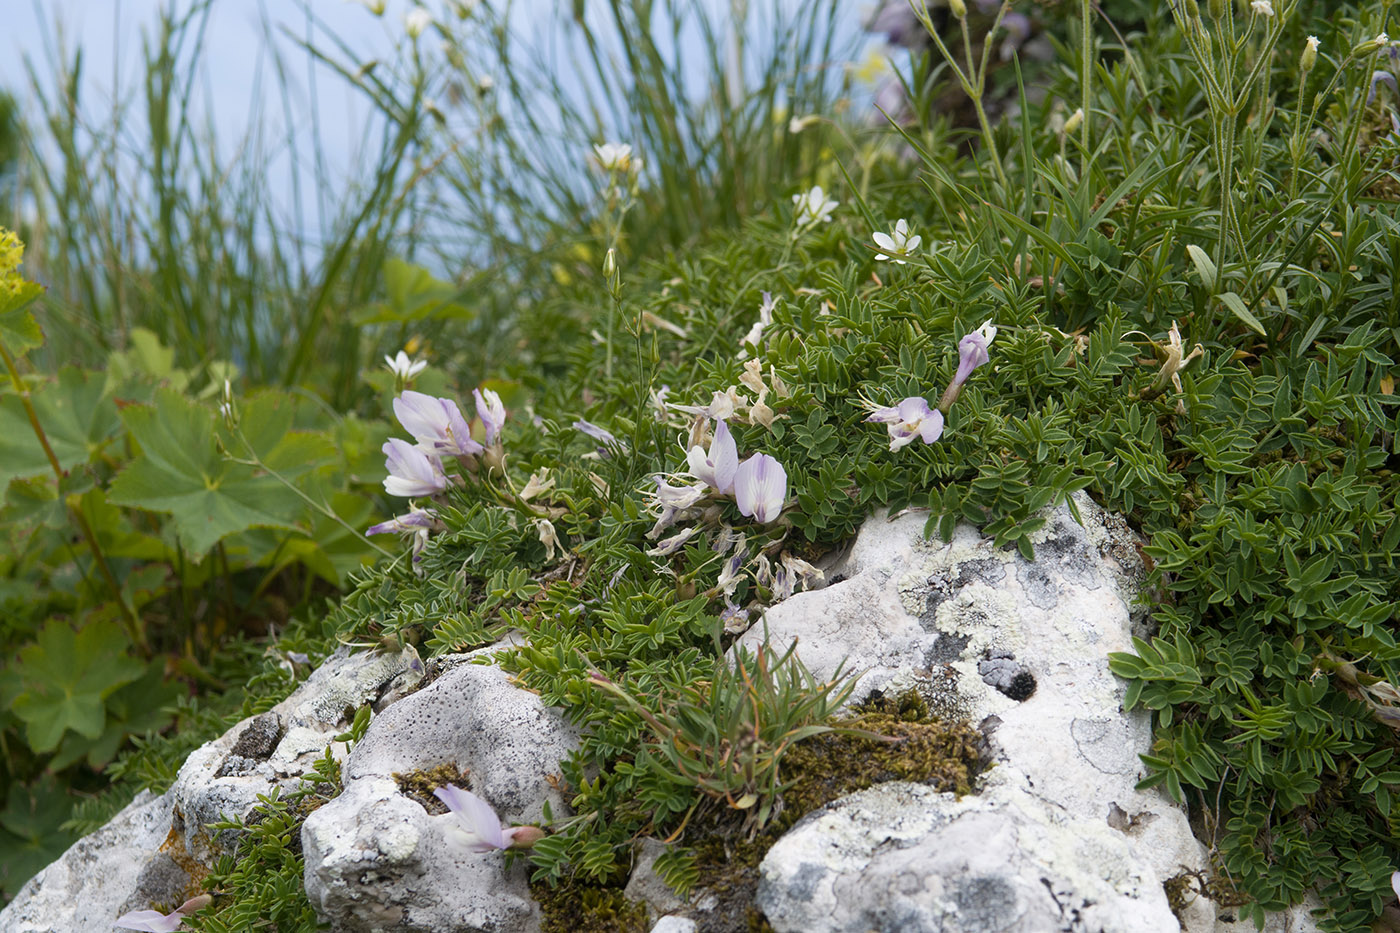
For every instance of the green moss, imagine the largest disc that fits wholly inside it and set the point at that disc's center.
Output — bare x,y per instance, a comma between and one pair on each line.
579,907
419,785
819,770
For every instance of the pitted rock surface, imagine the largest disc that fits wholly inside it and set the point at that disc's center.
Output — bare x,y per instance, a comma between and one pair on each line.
375,859
986,635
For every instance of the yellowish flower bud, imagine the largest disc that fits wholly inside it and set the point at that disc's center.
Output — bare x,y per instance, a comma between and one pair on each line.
1309,58
958,8
1075,120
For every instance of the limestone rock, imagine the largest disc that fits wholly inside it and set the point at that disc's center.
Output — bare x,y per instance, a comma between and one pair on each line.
1021,647
376,860
120,867
149,852
224,777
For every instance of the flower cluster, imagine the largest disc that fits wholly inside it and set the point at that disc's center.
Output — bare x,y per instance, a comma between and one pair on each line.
914,417
757,485
440,431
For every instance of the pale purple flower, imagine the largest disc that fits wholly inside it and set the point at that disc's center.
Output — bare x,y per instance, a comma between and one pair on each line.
436,424
405,524
411,471
153,921
911,418
670,501
730,572
972,352
733,618
595,432
671,545
717,467
1377,79
481,829
491,412
760,487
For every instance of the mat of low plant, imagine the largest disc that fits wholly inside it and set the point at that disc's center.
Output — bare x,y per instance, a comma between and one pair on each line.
1172,283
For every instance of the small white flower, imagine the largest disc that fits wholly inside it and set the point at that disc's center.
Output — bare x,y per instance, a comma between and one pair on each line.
415,21
812,207
1262,8
1313,43
798,124
403,367
898,244
548,537
613,157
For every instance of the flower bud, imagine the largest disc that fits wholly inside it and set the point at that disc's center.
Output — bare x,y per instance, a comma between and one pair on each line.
525,837
1075,120
610,263
1218,9
957,8
1309,58
1372,45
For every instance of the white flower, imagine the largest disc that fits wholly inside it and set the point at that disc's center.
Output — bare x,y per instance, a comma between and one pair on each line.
415,21
798,124
1262,7
898,244
548,537
813,207
755,334
613,157
1313,43
403,367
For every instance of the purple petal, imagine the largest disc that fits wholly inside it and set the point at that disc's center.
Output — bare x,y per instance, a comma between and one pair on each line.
888,415
476,817
411,471
1378,78
972,352
932,428
760,486
491,412
724,455
913,409
595,432
150,921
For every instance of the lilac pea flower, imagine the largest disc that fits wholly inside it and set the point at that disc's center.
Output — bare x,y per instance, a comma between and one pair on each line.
760,486
1377,79
734,619
972,352
436,423
718,467
491,412
729,574
670,501
911,418
671,545
595,432
153,921
404,524
481,829
411,471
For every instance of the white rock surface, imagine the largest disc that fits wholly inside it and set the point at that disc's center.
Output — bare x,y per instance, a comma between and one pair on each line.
376,860
954,621
148,852
118,868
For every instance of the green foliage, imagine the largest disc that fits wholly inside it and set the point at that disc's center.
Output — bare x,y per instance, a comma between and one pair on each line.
261,884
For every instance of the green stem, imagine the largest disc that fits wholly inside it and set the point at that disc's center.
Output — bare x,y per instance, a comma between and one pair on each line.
1086,78
133,624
